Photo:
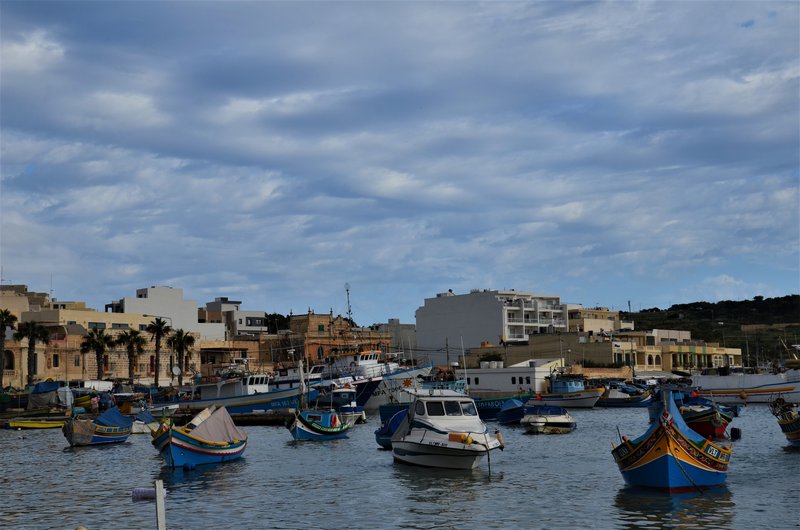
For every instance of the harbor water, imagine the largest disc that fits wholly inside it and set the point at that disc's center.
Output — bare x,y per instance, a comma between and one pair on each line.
555,481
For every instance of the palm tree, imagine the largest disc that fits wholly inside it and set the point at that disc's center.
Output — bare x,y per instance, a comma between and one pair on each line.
98,342
7,320
34,332
182,342
157,329
134,342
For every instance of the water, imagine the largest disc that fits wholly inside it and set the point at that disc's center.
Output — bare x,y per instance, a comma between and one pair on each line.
558,481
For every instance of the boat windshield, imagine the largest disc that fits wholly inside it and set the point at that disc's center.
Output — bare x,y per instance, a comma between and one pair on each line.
468,408
435,408
452,408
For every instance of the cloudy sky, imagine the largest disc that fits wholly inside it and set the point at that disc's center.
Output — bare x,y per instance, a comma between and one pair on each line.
272,152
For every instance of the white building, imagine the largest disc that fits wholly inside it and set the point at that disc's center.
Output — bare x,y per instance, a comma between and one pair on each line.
168,303
485,316
493,379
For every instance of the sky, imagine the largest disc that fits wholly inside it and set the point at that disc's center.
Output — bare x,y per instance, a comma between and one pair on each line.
642,153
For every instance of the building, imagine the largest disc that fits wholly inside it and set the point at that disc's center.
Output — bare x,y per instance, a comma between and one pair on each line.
317,336
403,336
168,303
451,320
597,320
238,323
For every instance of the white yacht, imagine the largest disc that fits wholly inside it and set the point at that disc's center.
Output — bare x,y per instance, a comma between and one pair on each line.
442,429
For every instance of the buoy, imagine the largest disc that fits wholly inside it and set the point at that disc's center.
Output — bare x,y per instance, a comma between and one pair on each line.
743,395
736,433
499,436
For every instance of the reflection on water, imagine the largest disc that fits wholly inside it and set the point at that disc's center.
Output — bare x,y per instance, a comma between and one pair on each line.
202,477
712,508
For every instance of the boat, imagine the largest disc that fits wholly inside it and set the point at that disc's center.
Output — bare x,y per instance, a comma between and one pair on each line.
670,456
384,433
210,438
547,419
393,382
33,423
703,416
788,416
144,423
569,390
490,408
109,427
442,429
342,399
622,395
735,386
511,412
242,393
320,425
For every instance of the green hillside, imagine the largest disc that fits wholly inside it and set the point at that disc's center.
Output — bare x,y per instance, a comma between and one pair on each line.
760,327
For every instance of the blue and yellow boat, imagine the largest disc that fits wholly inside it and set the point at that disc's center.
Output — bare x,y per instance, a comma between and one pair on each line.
109,427
788,419
672,457
210,438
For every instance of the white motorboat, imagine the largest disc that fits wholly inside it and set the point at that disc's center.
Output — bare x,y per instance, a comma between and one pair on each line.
442,429
738,387
545,419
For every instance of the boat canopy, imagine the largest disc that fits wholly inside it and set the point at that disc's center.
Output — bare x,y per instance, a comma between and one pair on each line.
114,418
219,427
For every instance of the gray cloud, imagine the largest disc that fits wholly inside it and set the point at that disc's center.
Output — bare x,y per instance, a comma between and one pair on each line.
273,152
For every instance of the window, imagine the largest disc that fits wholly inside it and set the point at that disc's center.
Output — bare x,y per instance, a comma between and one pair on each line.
528,380
452,408
419,408
477,380
117,325
8,362
435,408
97,325
321,328
142,327
513,380
77,360
468,408
55,360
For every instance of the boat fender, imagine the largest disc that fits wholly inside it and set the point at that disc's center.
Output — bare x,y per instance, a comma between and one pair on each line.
743,395
736,433
499,436
334,420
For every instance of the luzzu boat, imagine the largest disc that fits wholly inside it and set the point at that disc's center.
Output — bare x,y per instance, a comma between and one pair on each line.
670,456
109,427
320,425
442,429
788,419
622,395
703,416
210,438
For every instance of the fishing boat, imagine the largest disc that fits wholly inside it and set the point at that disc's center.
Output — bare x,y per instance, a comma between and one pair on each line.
703,416
342,399
242,393
210,438
491,408
788,416
320,425
109,427
384,433
33,423
736,386
569,390
547,419
442,429
670,456
145,423
622,395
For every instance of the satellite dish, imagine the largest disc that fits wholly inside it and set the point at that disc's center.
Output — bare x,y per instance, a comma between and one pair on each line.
176,370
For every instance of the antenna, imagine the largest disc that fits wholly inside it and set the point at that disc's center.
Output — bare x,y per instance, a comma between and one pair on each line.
349,310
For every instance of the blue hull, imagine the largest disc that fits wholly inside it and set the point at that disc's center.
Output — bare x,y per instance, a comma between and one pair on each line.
668,474
255,403
179,450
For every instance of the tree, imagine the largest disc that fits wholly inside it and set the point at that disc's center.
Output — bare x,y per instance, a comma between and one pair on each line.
98,342
134,343
182,343
158,329
7,320
34,332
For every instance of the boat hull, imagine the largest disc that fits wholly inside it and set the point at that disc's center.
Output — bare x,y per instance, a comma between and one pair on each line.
80,432
749,388
178,449
428,455
579,399
390,389
315,425
672,457
253,403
